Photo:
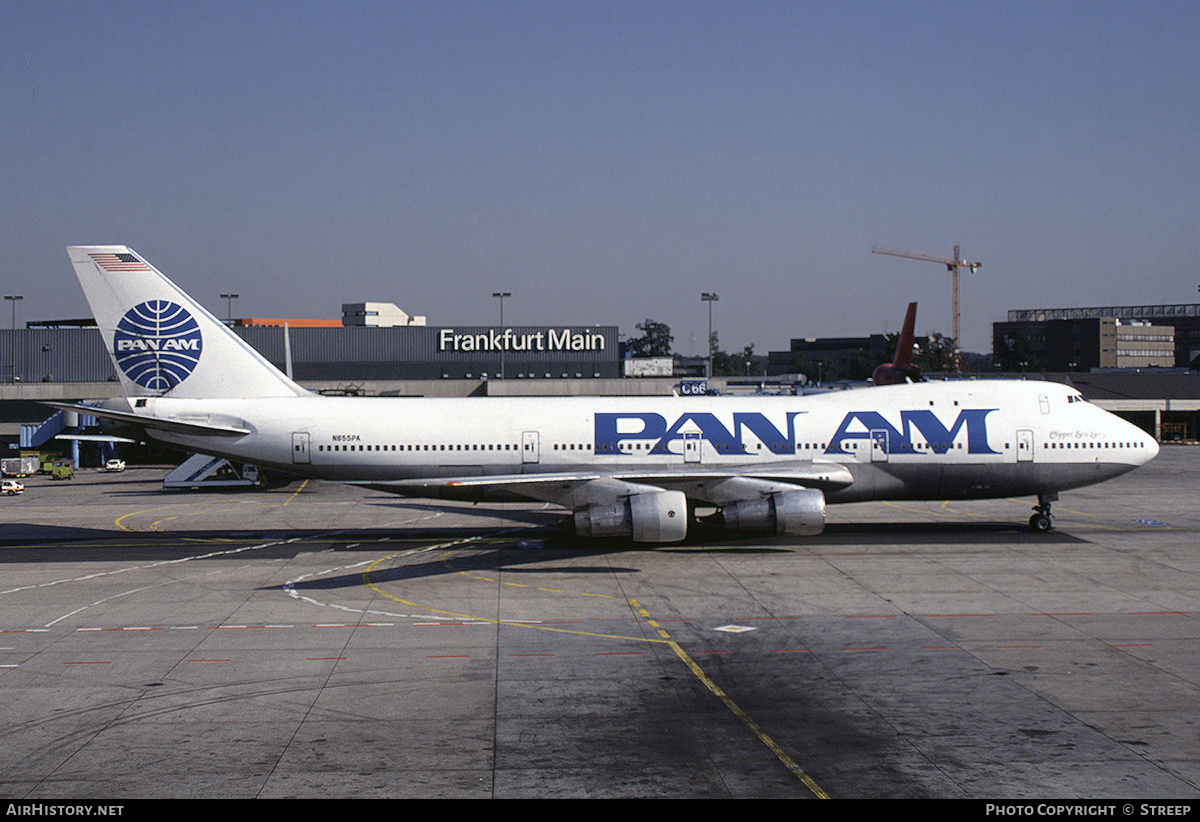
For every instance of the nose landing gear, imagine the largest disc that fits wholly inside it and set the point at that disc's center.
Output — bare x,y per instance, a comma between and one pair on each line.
1040,522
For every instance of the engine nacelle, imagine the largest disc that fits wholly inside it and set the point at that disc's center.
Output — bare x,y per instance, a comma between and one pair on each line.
797,513
659,516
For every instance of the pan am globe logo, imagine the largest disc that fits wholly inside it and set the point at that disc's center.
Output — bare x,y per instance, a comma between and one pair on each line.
157,344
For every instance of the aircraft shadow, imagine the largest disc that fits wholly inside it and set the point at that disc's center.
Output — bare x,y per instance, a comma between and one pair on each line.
975,532
534,516
517,551
513,551
541,536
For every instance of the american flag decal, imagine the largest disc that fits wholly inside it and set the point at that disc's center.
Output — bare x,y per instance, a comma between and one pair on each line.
119,262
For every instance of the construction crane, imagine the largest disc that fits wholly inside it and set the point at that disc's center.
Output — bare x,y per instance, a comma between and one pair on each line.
954,265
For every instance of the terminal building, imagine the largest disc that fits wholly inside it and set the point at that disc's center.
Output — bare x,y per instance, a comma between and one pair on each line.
328,351
376,349
846,356
1082,339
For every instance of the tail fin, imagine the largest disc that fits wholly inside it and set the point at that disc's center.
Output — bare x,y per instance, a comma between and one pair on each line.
161,340
902,368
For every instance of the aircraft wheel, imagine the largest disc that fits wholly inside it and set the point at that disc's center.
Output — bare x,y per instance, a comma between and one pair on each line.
1039,523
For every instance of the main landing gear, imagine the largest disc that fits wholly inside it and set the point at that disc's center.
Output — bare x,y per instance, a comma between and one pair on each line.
1040,522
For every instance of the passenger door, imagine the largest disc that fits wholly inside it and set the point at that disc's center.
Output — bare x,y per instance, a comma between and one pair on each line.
879,446
1024,445
300,448
530,448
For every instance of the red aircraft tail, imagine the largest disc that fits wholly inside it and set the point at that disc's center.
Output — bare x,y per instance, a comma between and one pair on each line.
902,369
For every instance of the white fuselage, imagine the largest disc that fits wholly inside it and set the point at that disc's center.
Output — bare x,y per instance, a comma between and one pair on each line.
638,467
933,440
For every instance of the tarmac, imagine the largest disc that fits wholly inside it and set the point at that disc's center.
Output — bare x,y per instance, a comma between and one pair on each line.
325,641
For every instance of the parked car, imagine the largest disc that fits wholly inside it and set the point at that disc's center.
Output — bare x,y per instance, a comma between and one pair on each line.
11,487
114,464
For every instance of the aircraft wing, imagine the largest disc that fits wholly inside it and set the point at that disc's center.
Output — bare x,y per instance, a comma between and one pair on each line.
577,489
653,505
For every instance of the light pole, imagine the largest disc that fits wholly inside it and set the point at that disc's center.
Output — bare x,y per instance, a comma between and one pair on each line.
500,295
12,347
229,298
710,298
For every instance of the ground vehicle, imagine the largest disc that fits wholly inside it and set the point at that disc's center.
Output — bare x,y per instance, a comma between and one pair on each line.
11,487
114,464
21,466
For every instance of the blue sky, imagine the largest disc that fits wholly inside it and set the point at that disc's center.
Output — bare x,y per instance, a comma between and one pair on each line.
608,161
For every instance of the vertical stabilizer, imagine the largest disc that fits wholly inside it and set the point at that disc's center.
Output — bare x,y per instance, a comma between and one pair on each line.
902,368
163,342
904,347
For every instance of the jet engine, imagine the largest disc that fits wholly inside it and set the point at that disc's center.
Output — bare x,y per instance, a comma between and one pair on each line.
797,513
657,516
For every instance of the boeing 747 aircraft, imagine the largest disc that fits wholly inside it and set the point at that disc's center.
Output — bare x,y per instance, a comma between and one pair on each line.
635,467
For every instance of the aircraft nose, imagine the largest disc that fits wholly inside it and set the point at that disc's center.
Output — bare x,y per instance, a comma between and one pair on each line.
1151,448
1147,445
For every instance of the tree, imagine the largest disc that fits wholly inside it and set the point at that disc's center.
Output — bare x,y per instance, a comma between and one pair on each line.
861,365
1018,354
937,354
655,341
727,365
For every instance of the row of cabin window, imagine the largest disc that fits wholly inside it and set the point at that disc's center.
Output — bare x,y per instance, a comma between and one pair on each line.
650,446
475,447
1092,445
506,447
638,446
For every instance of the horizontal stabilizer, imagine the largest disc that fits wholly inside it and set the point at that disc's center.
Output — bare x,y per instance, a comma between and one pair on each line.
93,438
157,423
